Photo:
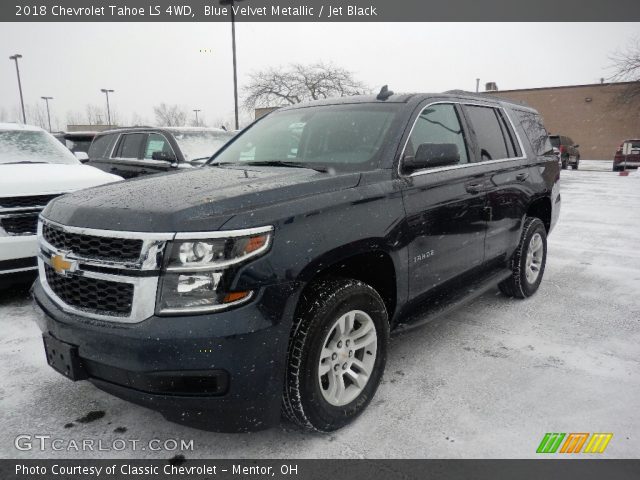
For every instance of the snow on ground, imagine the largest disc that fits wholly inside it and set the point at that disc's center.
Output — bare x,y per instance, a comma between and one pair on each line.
488,381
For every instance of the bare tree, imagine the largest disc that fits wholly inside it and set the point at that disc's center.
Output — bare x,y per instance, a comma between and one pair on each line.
170,115
626,66
95,116
137,120
75,118
298,83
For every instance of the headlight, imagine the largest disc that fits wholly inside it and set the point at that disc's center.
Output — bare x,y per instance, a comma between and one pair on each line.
195,275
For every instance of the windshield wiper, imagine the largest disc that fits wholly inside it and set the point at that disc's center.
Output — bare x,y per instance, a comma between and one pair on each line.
276,163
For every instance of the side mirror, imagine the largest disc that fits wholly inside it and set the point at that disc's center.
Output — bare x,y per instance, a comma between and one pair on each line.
163,156
576,146
82,156
431,155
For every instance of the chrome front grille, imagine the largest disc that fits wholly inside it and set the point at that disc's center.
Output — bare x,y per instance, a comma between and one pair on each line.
103,274
91,294
19,215
91,246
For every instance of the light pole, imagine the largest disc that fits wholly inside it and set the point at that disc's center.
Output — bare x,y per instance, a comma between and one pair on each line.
46,99
477,85
196,112
107,92
16,57
233,47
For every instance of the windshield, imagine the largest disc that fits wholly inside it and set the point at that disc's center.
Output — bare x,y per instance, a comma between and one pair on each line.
28,146
200,145
555,141
339,137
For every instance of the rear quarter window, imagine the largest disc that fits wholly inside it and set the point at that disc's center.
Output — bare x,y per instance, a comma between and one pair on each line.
533,127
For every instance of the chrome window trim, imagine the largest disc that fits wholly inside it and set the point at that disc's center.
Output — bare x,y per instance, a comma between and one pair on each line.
426,171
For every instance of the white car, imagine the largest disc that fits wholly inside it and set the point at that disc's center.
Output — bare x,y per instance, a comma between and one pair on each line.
34,168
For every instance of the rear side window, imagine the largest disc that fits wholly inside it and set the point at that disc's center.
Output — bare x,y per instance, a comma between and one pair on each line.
534,129
486,125
130,145
100,146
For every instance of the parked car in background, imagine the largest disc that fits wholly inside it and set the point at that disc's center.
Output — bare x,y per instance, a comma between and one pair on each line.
630,160
34,169
130,152
566,151
77,142
267,281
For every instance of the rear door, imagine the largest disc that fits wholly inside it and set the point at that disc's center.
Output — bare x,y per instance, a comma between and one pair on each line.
508,187
444,205
133,154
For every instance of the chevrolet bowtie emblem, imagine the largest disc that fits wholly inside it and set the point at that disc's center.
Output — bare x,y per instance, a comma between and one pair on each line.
62,265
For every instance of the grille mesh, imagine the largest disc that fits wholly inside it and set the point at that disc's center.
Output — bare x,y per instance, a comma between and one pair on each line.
26,202
22,225
100,296
89,246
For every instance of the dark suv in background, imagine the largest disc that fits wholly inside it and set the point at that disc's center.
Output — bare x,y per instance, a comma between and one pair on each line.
269,279
130,152
566,151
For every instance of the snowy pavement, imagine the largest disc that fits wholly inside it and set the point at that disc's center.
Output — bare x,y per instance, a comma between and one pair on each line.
488,381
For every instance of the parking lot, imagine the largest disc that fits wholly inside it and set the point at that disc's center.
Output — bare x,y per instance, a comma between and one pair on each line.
487,381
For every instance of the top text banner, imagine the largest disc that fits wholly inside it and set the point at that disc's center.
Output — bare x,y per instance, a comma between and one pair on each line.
320,11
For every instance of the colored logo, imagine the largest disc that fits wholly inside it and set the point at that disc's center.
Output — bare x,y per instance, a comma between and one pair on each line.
574,442
61,265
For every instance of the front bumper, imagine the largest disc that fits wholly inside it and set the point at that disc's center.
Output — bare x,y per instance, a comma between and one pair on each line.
17,259
243,349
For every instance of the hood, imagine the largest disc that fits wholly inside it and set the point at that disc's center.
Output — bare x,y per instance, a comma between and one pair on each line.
194,200
46,178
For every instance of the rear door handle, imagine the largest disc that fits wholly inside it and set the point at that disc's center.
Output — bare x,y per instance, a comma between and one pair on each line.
521,177
474,187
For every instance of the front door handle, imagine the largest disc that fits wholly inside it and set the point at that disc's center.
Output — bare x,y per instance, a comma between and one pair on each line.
474,187
521,177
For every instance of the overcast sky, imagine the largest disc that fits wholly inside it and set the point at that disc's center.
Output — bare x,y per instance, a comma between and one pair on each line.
159,62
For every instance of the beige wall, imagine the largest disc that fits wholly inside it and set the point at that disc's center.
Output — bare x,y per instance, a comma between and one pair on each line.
599,126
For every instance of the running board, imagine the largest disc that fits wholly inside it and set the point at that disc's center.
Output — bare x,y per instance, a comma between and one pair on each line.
450,300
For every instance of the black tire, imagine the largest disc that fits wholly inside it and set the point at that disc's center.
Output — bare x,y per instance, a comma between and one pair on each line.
575,166
564,164
326,301
517,284
617,169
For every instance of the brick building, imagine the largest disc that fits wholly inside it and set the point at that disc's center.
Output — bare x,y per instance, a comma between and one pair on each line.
589,114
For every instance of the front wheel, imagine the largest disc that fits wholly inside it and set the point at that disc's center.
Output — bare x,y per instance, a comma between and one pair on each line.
337,354
528,262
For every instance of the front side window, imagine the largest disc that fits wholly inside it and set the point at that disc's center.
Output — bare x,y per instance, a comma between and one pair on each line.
157,143
130,145
486,125
28,146
438,124
200,145
338,137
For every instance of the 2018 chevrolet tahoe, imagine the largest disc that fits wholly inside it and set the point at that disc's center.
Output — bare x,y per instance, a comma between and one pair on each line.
268,281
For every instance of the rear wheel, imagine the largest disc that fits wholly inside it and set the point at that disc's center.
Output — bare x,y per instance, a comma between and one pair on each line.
337,354
575,165
528,262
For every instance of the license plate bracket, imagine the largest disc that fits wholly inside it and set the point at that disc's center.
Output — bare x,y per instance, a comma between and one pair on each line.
63,358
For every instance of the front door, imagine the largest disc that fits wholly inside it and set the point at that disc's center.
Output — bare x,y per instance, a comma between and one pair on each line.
444,205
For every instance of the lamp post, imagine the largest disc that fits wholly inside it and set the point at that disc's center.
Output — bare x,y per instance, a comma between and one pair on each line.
46,99
196,112
107,92
15,58
233,47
